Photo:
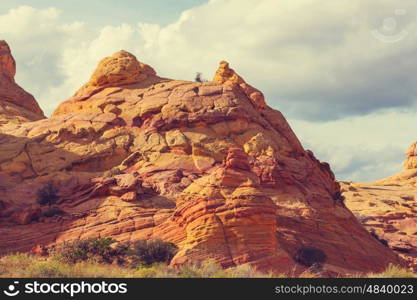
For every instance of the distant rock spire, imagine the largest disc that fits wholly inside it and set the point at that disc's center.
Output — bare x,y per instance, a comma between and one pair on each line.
411,159
7,62
16,105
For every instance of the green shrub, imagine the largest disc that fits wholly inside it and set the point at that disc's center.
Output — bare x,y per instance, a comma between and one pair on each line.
48,194
82,250
152,251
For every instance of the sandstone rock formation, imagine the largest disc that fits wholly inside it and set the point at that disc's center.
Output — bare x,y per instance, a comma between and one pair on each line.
208,166
388,208
225,75
411,157
16,105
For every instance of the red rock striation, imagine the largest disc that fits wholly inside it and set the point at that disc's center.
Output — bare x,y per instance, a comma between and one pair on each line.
208,166
16,105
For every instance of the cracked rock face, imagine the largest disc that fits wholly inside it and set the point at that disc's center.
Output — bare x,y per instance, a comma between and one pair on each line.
208,166
16,105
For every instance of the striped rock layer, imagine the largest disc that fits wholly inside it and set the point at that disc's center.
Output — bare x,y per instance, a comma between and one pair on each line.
206,165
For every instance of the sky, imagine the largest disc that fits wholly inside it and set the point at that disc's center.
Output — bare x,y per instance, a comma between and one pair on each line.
342,72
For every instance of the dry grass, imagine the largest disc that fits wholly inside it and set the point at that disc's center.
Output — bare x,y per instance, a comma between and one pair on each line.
25,266
393,271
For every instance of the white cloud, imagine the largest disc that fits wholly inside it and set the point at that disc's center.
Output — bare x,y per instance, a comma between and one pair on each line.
39,41
315,60
362,148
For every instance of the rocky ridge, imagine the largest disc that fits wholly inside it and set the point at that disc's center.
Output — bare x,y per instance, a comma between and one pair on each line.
388,208
208,166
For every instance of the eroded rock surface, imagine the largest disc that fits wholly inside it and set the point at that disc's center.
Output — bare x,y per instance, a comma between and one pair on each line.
208,166
411,157
388,207
16,105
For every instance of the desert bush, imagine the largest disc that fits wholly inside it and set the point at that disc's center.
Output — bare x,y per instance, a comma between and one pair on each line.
198,77
147,252
82,250
48,194
310,256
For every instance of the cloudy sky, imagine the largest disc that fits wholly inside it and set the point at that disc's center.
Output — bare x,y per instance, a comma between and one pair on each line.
343,72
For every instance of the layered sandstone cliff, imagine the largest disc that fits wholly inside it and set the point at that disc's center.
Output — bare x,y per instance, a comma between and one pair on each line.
208,166
388,207
16,105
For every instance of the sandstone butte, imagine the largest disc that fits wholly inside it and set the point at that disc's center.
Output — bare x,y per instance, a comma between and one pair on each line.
388,207
206,165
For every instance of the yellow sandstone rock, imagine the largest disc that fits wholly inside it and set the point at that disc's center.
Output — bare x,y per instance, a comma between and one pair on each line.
206,165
